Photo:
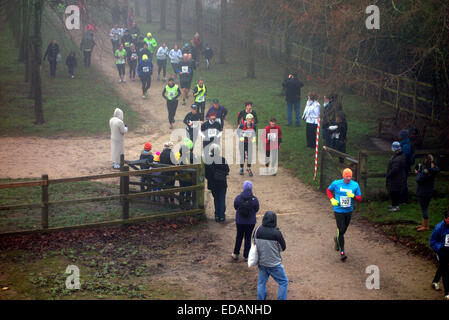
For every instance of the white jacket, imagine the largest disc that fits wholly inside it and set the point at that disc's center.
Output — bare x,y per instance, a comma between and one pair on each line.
162,53
118,130
175,56
312,112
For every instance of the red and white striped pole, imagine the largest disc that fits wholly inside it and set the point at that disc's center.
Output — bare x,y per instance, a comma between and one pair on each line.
316,148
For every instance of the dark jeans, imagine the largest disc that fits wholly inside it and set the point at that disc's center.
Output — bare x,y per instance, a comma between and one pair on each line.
71,71
245,154
162,65
343,220
132,69
395,198
424,202
121,69
290,107
219,195
243,231
87,56
311,135
443,270
146,84
172,105
339,146
53,64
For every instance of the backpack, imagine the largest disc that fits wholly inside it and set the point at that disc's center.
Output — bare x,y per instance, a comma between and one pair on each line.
245,207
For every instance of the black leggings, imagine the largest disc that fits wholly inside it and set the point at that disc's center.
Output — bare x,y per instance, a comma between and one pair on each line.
443,271
243,231
275,157
162,64
424,202
132,68
343,220
395,198
146,84
311,134
87,57
201,109
172,105
245,154
121,69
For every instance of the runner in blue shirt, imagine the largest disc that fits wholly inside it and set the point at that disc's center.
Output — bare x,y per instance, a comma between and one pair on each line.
342,194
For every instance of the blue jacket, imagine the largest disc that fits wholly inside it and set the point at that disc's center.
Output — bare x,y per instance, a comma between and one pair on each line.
143,64
439,237
239,219
406,147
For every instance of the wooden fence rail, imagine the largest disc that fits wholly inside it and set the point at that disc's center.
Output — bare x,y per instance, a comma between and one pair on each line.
197,188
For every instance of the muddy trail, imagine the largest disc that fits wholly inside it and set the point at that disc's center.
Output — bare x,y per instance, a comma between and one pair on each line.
304,215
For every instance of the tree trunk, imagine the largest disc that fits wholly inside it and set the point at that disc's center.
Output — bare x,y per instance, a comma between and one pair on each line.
199,16
25,30
288,51
178,20
37,61
137,8
149,18
163,14
251,62
222,29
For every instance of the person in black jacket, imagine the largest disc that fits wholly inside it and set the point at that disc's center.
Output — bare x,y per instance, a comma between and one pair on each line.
87,46
241,117
211,132
192,121
270,243
246,206
216,174
52,53
146,155
396,175
337,133
425,178
165,158
71,63
292,87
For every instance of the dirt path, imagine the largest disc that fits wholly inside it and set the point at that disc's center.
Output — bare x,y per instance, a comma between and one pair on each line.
304,215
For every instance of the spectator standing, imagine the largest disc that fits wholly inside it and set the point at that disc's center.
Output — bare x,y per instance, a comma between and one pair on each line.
52,53
71,64
118,130
270,242
87,46
439,242
329,118
337,133
219,110
396,176
311,116
241,116
407,149
425,178
292,87
246,206
216,174
208,54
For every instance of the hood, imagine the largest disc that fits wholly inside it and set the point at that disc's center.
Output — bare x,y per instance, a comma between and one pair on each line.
246,194
269,219
118,113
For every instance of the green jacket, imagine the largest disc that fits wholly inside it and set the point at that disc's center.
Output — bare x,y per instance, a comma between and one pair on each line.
152,44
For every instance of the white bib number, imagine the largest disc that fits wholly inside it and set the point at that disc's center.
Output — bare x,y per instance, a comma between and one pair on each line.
272,137
201,99
171,94
446,243
212,132
195,124
345,202
146,69
185,69
121,61
247,134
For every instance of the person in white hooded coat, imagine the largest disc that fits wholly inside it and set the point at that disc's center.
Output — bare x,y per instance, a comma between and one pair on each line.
118,130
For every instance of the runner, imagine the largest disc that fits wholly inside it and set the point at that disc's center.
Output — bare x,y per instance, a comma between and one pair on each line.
144,51
175,58
241,117
200,93
115,37
208,54
132,62
134,31
145,70
171,93
439,242
346,191
273,139
120,55
161,55
193,121
185,77
247,134
219,110
127,41
152,44
211,132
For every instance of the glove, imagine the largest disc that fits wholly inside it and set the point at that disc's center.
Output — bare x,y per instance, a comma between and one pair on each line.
242,139
350,194
254,140
334,202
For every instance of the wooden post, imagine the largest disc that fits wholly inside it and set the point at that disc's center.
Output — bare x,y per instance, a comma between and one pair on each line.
200,178
195,176
44,211
125,201
122,166
363,171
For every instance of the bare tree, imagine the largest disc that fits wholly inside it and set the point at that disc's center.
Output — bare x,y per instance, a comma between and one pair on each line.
137,8
251,59
221,32
199,16
163,15
37,61
178,20
149,17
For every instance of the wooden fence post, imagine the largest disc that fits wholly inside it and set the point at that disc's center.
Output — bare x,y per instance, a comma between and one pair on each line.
363,171
44,211
200,178
125,201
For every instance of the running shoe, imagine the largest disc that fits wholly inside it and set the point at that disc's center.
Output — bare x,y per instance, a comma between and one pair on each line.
343,256
435,286
235,257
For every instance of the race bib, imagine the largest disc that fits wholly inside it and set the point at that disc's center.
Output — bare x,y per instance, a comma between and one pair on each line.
212,132
134,56
247,134
171,94
201,99
121,61
272,136
345,202
184,69
195,124
446,243
146,69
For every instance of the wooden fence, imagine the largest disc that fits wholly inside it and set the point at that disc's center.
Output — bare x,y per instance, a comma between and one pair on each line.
196,187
